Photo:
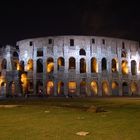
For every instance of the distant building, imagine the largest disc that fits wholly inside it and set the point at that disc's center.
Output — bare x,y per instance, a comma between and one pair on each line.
71,65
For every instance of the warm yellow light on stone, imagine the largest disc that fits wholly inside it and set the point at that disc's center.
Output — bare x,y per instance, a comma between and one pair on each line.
72,86
105,88
1,80
114,85
133,87
29,66
94,87
50,86
50,67
94,65
124,67
18,66
59,62
24,82
59,87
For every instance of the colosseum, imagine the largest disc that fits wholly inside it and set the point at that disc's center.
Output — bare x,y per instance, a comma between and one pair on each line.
70,66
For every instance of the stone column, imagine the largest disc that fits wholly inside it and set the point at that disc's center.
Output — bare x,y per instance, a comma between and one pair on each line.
34,72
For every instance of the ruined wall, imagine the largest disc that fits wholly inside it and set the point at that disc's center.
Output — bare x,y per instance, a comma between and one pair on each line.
113,59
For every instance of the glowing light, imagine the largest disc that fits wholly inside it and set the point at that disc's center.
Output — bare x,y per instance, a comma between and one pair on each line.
133,87
94,65
50,67
24,82
72,86
124,67
94,87
59,62
50,86
0,81
59,88
114,85
105,88
18,66
29,66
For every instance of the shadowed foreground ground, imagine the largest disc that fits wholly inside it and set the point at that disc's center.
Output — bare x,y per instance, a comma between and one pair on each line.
60,119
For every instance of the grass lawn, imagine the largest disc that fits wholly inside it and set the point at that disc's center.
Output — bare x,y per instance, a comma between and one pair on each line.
61,119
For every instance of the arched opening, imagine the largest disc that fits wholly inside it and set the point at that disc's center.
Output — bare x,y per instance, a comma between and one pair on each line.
114,65
124,67
72,63
83,88
115,88
71,42
40,52
50,88
133,67
82,65
104,64
123,54
60,88
125,89
60,64
24,83
39,66
15,54
29,66
50,65
39,87
4,64
94,65
3,88
72,87
105,88
134,88
94,88
12,88
82,52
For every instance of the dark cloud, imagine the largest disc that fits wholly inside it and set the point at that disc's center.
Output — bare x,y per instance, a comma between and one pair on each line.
112,18
115,18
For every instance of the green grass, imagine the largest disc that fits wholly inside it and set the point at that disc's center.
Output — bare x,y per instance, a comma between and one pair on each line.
29,121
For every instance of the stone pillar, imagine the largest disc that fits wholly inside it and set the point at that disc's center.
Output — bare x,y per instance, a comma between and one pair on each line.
34,78
99,87
77,65
120,88
66,88
55,87
88,87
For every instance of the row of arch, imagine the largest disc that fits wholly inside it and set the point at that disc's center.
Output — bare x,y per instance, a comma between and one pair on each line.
94,88
83,66
72,88
72,65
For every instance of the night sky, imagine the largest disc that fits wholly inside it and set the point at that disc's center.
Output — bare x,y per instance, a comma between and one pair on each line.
117,18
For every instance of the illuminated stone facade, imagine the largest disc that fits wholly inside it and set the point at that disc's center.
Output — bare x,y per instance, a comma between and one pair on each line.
71,65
